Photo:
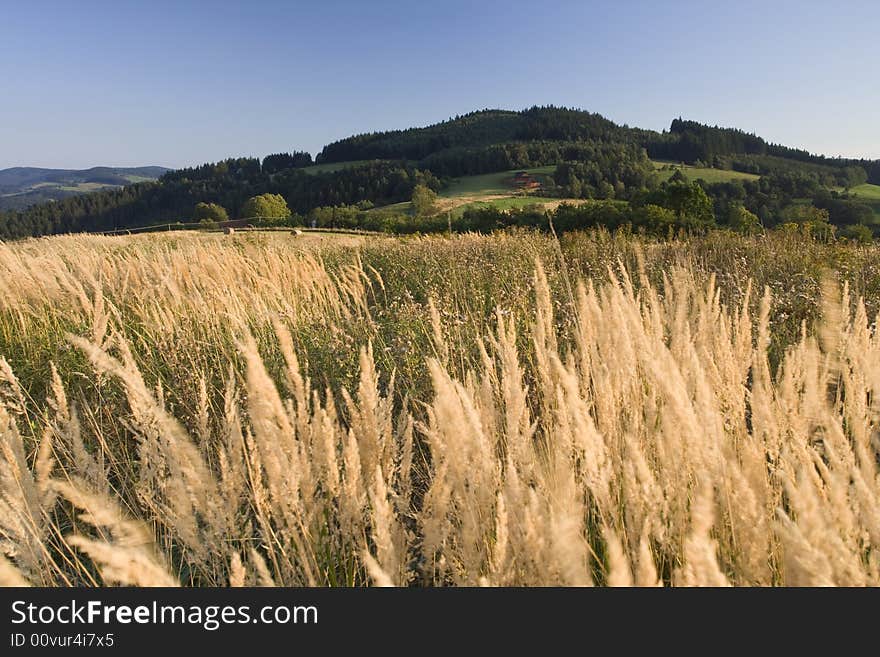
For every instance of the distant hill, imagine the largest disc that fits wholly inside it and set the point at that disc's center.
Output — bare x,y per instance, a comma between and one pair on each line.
21,187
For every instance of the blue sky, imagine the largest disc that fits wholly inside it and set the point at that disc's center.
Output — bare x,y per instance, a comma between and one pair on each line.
177,83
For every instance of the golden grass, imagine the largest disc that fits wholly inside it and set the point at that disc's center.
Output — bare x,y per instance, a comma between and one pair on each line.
169,415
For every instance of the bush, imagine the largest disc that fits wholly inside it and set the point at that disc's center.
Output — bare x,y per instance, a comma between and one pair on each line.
858,233
266,206
211,213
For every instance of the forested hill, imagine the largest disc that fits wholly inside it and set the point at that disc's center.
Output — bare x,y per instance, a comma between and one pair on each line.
594,158
476,129
685,141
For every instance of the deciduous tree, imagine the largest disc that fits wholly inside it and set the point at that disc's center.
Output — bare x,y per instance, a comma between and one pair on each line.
423,199
210,212
265,206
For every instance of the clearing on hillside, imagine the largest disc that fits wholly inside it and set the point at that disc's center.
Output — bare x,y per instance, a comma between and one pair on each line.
866,191
870,195
666,170
492,184
491,189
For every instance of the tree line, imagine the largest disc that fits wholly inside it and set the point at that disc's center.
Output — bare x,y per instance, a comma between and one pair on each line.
230,184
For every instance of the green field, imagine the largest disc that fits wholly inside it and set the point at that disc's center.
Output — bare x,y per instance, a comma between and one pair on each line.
490,183
137,179
871,195
85,187
479,188
867,191
701,173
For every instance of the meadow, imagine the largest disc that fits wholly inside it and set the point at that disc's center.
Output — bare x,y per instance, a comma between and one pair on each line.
506,409
490,183
866,191
869,194
667,169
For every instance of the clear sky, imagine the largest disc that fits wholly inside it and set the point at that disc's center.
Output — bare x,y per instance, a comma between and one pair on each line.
182,82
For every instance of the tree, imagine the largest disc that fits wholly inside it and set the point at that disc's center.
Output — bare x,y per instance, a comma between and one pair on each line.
210,213
805,214
844,212
678,177
266,206
743,221
423,199
654,218
811,221
605,190
281,161
858,233
689,202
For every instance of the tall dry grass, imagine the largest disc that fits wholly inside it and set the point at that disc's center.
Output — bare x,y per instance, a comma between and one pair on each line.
174,411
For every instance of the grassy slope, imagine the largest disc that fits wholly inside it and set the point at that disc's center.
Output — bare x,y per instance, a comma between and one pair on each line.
870,195
483,190
489,184
868,192
477,191
704,173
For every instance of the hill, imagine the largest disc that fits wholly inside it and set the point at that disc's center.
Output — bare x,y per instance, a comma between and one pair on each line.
451,146
24,186
582,156
471,130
